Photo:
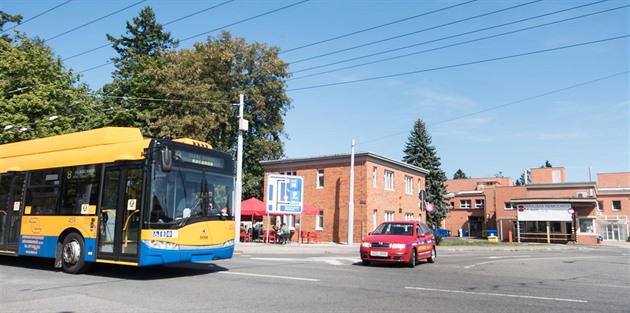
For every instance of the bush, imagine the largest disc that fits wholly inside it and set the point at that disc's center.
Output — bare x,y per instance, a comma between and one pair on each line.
438,239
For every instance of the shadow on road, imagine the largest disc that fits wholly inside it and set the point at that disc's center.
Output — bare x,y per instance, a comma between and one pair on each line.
118,271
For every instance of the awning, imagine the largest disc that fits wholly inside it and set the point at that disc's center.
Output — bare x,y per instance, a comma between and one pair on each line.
253,206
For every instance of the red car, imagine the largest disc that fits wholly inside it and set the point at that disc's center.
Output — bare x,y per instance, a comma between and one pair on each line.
399,242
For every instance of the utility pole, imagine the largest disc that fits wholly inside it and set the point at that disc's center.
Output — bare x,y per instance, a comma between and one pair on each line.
243,125
351,200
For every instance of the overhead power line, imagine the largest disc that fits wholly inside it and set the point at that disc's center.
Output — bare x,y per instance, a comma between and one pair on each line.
245,20
443,47
38,15
213,30
461,64
94,21
415,32
376,27
171,22
507,104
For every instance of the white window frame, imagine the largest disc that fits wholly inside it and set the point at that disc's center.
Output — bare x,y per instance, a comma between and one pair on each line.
374,219
374,173
409,217
389,216
389,180
583,222
480,203
613,205
408,185
289,173
319,221
509,206
465,203
320,178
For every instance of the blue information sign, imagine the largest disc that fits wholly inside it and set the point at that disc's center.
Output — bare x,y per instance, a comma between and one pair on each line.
285,194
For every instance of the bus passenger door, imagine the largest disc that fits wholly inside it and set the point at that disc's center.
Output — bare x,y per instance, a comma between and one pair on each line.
119,214
11,203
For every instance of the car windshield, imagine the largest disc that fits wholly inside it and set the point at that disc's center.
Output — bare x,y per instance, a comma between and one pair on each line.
394,229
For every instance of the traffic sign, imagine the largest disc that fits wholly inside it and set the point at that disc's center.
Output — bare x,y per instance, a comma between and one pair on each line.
285,194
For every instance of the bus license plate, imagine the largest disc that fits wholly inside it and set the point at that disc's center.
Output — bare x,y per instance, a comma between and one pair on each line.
378,253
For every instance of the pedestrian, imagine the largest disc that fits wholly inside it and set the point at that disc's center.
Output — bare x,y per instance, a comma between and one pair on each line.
284,229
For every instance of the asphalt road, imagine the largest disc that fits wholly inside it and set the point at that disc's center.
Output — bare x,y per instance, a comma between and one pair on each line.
584,280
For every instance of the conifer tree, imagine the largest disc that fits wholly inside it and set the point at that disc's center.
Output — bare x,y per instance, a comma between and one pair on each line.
460,175
420,152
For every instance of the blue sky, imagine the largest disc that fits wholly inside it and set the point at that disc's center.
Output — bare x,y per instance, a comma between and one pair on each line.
503,86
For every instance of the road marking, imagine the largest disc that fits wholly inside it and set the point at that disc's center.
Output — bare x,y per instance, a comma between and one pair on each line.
271,276
498,295
529,259
329,260
508,256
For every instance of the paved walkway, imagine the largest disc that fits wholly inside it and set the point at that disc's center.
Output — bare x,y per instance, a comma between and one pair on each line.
336,248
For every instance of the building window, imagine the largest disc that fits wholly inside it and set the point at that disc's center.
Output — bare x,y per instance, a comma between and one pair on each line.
616,205
389,216
509,206
408,185
586,226
320,178
479,203
290,173
408,216
319,221
389,180
374,219
464,204
374,177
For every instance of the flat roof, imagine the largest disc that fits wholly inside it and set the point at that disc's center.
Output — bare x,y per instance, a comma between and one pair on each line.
340,158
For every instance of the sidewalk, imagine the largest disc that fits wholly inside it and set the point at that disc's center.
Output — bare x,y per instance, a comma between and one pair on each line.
342,248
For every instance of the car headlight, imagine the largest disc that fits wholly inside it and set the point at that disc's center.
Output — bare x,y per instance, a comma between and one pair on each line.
398,246
366,244
156,244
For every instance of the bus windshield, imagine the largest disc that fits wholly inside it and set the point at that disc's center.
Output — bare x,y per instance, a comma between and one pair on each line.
187,193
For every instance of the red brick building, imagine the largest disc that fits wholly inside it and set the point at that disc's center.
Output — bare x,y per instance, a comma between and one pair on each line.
547,209
384,189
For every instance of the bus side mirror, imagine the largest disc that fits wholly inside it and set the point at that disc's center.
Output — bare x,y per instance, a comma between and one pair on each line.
167,160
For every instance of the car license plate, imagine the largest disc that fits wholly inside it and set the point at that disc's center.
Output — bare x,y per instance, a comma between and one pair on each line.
378,253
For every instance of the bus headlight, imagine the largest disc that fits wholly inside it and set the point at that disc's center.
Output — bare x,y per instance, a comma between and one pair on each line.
156,244
228,243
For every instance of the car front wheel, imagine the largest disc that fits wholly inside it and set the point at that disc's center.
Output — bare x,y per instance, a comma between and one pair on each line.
412,258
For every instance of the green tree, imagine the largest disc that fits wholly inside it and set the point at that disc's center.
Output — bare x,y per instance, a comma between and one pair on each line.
38,96
143,48
460,175
7,18
204,83
521,181
420,152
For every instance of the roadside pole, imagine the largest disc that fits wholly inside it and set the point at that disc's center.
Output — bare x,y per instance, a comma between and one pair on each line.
243,125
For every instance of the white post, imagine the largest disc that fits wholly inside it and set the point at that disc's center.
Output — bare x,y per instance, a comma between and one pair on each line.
238,188
351,200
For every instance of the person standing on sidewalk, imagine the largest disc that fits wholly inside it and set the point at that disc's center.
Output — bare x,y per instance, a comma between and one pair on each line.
285,233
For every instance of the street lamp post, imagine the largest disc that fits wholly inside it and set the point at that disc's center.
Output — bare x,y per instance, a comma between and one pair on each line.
243,125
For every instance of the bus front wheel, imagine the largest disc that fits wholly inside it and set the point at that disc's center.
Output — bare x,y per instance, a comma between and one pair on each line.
73,254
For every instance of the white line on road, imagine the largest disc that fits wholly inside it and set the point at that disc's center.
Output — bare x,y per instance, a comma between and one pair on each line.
498,294
271,276
531,259
508,256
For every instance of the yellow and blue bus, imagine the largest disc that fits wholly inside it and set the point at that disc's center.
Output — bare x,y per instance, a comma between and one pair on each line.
110,195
